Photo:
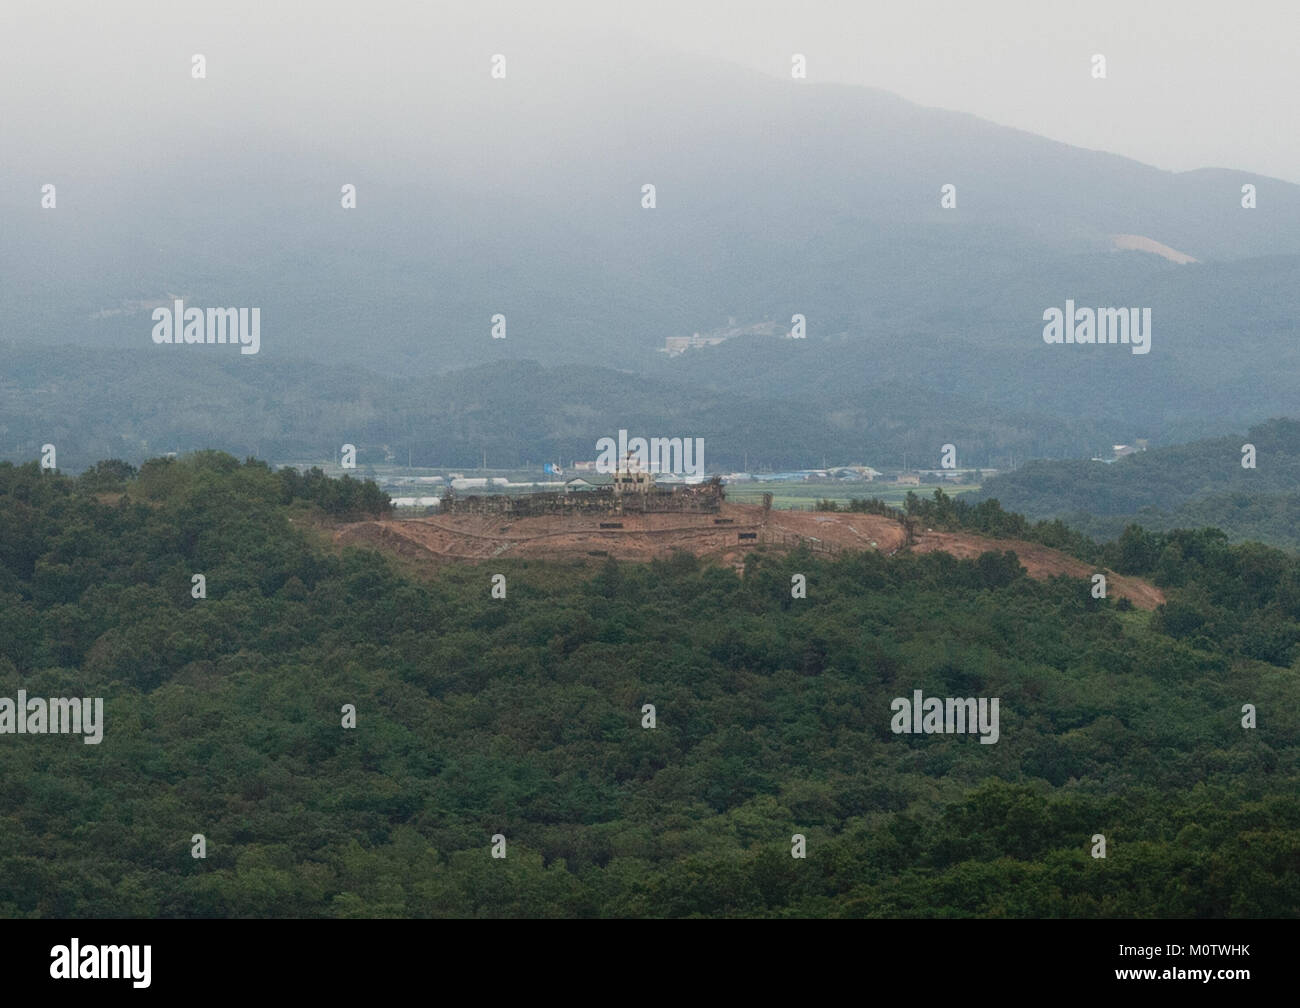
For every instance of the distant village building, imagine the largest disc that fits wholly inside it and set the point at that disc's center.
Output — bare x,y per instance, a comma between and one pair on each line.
478,482
1120,451
948,475
416,501
675,345
854,472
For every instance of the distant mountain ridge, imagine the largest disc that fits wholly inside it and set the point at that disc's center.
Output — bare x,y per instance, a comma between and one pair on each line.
773,199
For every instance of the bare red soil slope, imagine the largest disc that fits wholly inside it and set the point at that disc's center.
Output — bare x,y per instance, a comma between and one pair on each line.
725,538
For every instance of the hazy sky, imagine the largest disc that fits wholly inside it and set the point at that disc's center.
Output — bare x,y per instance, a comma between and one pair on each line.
1190,83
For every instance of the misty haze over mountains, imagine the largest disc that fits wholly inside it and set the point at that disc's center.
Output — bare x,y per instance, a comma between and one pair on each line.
522,196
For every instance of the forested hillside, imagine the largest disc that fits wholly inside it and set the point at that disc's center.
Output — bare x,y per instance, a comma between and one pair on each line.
522,716
1195,485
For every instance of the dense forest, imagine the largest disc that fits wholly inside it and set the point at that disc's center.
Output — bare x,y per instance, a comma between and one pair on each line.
522,716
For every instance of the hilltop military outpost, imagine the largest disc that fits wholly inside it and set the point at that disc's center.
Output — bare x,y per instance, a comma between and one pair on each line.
630,489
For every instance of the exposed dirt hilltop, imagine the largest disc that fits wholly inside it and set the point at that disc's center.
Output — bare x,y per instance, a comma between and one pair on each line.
724,537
